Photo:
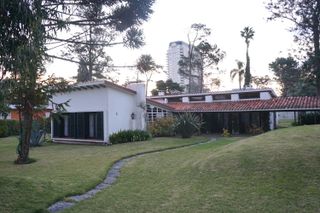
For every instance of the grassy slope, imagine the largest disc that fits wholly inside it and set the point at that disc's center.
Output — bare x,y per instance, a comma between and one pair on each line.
275,172
61,170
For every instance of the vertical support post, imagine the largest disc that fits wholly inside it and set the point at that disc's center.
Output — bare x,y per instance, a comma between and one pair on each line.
275,120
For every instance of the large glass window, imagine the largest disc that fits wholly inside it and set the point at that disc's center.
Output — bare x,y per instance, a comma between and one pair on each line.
85,125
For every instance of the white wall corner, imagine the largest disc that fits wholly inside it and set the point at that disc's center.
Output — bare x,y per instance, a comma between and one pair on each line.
208,98
185,99
265,95
235,97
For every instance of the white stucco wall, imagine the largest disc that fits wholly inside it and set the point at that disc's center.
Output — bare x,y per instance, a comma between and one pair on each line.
90,100
117,106
120,107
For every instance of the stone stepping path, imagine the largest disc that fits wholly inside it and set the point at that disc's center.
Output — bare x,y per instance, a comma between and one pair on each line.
111,177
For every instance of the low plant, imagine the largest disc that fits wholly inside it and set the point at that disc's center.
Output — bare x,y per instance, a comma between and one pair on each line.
162,127
225,133
309,118
13,127
3,129
255,130
125,136
37,134
187,124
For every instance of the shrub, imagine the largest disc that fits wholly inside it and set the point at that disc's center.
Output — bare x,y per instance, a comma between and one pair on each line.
13,127
255,130
187,124
3,128
37,133
162,127
125,136
225,133
310,118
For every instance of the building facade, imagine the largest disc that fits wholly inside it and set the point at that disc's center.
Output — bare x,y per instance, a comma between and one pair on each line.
97,109
176,51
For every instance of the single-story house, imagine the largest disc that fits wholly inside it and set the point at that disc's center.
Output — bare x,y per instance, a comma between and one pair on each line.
239,111
99,108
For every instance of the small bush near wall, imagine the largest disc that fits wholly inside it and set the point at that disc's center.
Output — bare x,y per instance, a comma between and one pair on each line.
126,136
3,128
162,127
13,127
187,124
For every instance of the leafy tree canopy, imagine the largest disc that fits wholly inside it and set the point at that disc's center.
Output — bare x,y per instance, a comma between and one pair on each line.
305,16
29,26
202,55
168,87
294,79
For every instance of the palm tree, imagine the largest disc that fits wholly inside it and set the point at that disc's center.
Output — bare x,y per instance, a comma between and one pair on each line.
147,66
247,33
238,71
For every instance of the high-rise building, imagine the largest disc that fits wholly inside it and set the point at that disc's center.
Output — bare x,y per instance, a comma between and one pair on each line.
176,50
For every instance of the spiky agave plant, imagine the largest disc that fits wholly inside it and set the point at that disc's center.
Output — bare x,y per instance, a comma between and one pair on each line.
187,124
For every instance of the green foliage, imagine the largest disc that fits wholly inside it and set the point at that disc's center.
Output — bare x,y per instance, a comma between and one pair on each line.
309,118
28,26
168,87
162,127
37,132
126,136
201,57
13,127
225,133
9,128
147,66
292,77
247,33
305,16
187,124
238,71
255,130
261,81
3,129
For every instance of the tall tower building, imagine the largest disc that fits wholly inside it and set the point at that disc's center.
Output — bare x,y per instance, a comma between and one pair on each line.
176,50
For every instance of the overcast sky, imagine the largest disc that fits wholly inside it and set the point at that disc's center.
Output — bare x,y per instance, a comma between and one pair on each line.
172,19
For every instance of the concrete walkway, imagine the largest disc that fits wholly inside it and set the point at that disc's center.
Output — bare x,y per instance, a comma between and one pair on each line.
111,177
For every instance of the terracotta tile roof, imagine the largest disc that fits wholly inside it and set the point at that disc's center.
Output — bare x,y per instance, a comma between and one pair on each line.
278,104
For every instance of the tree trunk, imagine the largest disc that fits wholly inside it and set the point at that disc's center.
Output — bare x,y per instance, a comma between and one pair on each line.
247,74
23,150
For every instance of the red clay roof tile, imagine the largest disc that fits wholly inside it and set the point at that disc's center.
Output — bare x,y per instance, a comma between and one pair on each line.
275,104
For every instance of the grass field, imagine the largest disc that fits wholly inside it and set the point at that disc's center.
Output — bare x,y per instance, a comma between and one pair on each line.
278,171
275,172
62,170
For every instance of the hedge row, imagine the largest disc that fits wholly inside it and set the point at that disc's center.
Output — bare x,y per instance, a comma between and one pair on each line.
310,118
11,127
125,136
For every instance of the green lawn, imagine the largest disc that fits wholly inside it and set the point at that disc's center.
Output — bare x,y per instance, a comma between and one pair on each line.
275,172
62,170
